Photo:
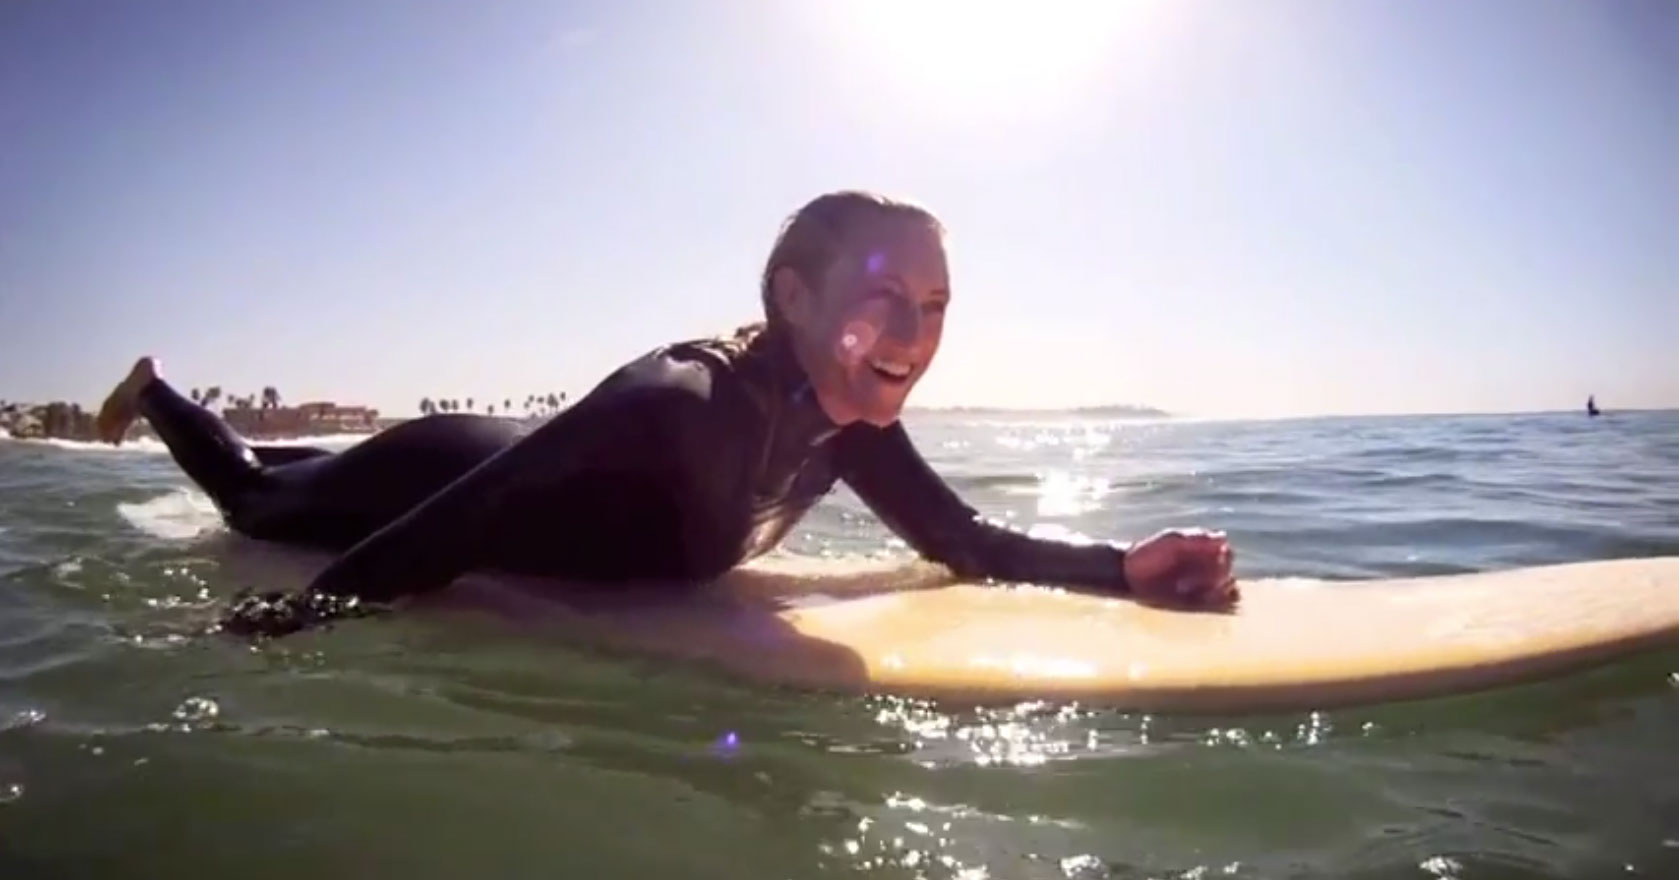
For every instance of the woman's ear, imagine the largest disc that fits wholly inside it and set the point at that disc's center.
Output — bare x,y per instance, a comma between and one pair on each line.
792,296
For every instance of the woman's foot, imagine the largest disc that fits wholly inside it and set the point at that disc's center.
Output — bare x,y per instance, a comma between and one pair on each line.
122,405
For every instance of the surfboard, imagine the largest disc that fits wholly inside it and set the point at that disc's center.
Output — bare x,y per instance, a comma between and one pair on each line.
909,628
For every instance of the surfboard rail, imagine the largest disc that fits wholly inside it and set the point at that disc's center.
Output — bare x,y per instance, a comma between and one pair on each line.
910,628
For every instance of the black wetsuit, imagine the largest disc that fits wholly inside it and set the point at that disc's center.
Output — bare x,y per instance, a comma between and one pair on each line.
680,465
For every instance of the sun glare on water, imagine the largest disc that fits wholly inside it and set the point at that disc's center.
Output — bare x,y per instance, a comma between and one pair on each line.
988,53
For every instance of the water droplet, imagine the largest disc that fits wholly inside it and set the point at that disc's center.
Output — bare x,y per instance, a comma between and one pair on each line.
197,709
10,792
24,719
1080,865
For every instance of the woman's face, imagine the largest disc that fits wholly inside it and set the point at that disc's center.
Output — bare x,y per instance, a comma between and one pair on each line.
867,334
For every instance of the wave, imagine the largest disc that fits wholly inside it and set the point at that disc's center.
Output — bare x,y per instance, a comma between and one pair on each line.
154,446
1001,482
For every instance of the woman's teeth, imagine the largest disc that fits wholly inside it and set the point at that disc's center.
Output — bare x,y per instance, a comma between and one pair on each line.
894,369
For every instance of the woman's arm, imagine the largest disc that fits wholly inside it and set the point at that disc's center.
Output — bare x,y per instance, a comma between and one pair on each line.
883,467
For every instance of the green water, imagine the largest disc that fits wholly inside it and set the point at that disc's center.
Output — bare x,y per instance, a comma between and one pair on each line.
445,743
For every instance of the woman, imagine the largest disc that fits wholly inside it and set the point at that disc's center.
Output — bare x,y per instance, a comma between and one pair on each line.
682,464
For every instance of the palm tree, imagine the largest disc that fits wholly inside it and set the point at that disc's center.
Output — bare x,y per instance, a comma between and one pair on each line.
492,409
196,397
211,395
469,404
553,402
270,397
426,407
507,405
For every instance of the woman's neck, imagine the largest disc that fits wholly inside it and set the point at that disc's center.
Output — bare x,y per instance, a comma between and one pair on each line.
785,359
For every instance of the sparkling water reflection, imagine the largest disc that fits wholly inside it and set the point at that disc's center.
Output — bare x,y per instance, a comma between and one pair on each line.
130,745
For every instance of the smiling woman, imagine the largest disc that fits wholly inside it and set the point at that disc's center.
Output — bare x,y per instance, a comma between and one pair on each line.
676,468
980,54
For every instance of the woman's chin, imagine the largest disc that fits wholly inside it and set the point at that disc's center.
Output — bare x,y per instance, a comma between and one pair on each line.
874,405
880,411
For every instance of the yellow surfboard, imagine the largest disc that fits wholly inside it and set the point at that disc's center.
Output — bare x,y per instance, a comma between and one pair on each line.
910,629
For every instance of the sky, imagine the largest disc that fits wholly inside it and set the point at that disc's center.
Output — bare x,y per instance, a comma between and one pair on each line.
1266,208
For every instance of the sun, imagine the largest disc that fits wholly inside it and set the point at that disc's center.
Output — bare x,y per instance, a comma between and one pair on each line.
998,53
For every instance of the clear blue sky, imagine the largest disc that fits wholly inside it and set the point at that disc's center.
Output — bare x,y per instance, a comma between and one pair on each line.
1232,208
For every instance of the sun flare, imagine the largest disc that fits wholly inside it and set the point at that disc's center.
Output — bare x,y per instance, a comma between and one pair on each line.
986,52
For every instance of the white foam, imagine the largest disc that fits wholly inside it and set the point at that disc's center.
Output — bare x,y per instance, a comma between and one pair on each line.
147,445
175,516
155,446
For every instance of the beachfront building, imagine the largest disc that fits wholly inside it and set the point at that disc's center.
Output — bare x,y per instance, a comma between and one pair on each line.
304,420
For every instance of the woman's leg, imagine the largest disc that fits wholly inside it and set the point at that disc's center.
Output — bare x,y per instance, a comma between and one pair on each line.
316,498
271,456
335,501
204,446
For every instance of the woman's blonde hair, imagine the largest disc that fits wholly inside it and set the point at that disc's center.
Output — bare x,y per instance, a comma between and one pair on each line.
814,236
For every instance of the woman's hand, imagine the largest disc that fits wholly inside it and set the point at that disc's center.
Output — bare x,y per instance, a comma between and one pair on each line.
1182,567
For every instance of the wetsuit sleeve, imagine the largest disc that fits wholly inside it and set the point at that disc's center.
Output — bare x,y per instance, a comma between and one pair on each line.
445,536
883,467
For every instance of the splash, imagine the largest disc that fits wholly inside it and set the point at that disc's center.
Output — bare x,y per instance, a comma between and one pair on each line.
197,709
178,515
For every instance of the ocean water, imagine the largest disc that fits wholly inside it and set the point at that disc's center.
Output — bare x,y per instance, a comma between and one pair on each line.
438,744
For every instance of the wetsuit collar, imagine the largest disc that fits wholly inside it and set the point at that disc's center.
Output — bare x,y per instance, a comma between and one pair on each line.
803,414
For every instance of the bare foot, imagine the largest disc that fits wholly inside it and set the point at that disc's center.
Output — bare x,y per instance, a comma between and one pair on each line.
122,405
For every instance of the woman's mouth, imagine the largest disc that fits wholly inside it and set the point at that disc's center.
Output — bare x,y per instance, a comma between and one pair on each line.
895,372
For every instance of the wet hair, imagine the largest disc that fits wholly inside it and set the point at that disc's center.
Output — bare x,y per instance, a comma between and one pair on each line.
814,236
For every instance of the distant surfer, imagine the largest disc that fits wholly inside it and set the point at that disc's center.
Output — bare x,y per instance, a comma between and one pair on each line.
680,465
1591,405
